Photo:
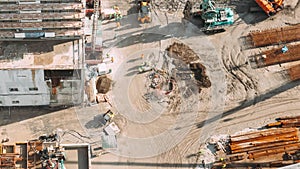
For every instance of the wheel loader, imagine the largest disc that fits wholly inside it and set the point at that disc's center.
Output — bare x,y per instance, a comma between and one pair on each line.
144,13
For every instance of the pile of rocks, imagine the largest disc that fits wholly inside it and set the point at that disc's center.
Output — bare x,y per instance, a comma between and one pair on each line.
169,5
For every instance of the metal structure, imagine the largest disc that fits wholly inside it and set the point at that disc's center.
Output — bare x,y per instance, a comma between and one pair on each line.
274,145
93,49
95,24
214,18
266,143
286,122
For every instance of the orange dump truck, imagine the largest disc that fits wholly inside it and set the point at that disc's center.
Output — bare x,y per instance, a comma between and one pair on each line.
271,7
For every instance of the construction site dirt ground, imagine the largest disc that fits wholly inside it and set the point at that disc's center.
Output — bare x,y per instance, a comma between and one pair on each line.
239,97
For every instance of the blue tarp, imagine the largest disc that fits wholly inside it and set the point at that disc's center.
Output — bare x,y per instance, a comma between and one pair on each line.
34,34
284,49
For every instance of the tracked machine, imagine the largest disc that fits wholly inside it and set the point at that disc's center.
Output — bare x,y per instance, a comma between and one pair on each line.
271,7
214,19
144,12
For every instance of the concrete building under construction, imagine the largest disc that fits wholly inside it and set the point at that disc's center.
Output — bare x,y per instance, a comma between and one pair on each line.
41,52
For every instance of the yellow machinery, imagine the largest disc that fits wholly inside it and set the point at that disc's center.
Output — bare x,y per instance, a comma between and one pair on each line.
144,11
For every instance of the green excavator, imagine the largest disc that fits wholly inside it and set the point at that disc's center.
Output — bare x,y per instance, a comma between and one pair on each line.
214,18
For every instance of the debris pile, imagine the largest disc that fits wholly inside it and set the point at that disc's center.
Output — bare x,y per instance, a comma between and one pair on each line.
157,80
169,5
213,148
160,86
182,52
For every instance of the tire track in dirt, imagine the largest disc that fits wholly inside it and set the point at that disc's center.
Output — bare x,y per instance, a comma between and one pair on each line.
230,54
233,76
182,155
263,113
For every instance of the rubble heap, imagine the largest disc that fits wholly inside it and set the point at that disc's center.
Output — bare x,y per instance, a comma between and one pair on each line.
169,5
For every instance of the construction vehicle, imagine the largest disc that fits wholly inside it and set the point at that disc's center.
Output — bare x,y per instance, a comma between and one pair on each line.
214,18
271,7
144,12
108,116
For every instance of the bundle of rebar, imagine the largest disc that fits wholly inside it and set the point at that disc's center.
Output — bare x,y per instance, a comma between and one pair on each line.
261,139
286,122
275,36
277,56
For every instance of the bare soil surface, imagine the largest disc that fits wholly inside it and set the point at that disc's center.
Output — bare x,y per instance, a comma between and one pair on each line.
170,135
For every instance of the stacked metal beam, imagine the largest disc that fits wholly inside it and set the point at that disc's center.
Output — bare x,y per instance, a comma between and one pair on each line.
60,17
264,143
286,122
275,36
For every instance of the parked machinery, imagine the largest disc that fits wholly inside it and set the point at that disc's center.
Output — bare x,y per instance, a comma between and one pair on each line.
214,18
144,12
271,7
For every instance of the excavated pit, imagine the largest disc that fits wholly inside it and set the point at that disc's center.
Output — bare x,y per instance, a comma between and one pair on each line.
187,55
